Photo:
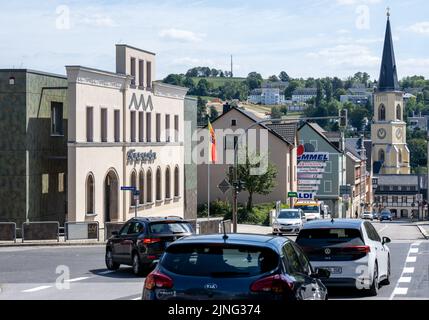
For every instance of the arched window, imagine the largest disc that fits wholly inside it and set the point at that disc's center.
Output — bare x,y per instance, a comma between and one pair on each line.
400,156
381,113
90,208
167,183
158,184
398,112
149,186
381,155
141,186
133,184
176,182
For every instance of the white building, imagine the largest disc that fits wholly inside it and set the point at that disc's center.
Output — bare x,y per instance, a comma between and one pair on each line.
267,96
124,130
301,95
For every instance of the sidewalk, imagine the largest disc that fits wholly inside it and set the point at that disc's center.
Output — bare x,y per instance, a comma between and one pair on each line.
424,228
247,228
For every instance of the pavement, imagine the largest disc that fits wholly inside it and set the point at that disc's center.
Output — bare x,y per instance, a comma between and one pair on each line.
424,228
78,272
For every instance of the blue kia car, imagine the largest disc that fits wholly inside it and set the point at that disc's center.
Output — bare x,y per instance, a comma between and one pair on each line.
386,215
234,267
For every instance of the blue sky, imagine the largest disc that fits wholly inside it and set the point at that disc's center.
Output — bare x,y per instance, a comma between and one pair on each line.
303,37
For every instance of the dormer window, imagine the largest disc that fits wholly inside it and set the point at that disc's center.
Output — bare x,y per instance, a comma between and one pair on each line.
12,81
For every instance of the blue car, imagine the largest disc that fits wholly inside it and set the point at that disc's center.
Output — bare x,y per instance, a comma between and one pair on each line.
234,267
386,215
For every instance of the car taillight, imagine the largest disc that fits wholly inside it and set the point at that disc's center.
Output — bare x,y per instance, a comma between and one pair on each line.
150,240
276,284
357,249
157,280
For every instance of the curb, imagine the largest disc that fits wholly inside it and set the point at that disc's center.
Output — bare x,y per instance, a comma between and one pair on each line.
424,232
53,244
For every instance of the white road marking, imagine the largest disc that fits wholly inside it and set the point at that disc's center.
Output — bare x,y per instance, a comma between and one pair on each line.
411,259
36,289
382,229
77,279
416,244
404,279
402,291
414,250
408,270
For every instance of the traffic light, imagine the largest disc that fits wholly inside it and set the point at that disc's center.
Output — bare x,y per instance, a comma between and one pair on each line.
343,118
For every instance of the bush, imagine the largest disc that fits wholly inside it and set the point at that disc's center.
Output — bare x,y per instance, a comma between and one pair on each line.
218,208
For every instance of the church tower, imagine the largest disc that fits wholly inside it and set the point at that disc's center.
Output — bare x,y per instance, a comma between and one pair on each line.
390,152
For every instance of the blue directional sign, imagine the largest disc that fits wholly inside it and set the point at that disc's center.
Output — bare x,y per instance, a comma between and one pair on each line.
128,188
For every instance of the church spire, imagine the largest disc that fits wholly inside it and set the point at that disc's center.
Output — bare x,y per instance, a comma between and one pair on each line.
388,80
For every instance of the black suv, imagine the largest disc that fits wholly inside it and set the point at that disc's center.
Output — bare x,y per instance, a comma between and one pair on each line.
141,241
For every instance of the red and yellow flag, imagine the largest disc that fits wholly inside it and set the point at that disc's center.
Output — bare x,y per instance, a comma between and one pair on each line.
212,142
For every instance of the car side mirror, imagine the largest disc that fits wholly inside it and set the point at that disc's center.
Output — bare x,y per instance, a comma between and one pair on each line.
386,240
322,274
115,233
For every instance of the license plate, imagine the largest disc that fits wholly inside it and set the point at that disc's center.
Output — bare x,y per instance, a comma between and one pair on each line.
333,270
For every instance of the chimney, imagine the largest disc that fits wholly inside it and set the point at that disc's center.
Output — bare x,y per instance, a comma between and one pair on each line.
226,107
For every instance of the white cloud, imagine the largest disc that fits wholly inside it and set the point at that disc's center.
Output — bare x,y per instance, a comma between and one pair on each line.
193,62
93,20
181,35
420,27
356,2
414,62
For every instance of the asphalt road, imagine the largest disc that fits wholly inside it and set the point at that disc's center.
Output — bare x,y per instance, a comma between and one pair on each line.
56,273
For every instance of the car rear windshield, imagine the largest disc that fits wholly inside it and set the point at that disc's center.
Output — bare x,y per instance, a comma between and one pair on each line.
310,209
219,260
170,227
329,236
289,214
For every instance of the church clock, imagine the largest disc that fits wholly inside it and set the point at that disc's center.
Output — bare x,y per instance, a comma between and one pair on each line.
381,133
399,133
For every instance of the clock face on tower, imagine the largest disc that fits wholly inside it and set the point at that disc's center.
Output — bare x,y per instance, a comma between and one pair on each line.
381,133
399,133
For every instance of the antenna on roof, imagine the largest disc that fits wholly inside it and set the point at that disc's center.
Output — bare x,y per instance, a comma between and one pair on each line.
225,236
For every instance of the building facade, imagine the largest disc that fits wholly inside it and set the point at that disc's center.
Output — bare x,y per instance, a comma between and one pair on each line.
388,131
267,96
125,130
302,95
33,146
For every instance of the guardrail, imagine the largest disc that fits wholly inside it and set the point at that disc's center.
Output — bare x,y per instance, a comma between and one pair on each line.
8,231
46,230
109,227
81,230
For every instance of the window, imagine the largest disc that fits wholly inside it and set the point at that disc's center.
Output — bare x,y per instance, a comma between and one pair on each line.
381,113
230,141
381,155
149,74
176,128
89,124
148,127
57,118
395,199
303,260
149,186
404,199
90,194
141,73
141,186
167,127
12,81
124,230
400,156
176,182
133,71
158,127
233,123
133,184
117,119
158,185
291,259
135,228
133,126
371,232
328,186
398,112
141,126
167,183
103,117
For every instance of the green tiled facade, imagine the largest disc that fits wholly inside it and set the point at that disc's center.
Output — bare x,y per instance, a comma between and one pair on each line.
190,167
33,162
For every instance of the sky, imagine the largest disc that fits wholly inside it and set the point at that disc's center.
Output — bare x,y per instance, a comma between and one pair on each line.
305,38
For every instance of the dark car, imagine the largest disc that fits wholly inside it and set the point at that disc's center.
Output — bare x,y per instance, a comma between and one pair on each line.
141,241
386,215
234,267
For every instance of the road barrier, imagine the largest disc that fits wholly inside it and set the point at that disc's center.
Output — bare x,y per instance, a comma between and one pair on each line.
109,227
209,226
227,224
81,230
8,231
46,230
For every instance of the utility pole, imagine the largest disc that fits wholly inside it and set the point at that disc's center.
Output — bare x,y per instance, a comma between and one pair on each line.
232,68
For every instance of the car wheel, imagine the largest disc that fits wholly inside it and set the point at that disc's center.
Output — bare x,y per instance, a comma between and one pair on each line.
387,280
137,267
110,264
373,290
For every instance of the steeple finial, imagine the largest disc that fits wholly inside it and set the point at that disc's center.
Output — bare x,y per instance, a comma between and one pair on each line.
388,12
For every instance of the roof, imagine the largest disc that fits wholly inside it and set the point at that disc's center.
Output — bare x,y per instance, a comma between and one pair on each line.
41,73
318,129
388,80
336,223
305,91
286,130
353,145
134,48
368,148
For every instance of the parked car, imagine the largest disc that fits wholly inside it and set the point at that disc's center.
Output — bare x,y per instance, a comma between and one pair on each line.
367,215
141,241
375,215
288,221
350,249
234,266
386,215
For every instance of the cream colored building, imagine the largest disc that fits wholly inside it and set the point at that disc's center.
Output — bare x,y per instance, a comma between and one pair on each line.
124,129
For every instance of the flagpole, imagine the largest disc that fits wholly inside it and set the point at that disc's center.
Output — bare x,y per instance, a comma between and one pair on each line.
208,172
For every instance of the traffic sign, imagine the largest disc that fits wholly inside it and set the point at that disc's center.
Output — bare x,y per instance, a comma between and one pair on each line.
292,194
224,186
128,188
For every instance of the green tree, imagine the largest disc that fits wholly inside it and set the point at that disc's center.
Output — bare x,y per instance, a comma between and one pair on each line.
356,116
339,92
418,152
174,79
328,90
283,76
203,87
293,85
254,80
201,109
213,113
276,113
284,110
273,78
319,94
262,183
